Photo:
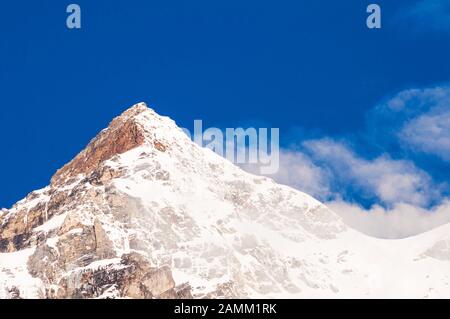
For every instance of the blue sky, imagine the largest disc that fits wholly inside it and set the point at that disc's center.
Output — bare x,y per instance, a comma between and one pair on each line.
311,68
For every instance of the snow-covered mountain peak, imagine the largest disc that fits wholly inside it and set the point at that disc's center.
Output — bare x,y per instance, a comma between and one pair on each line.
137,126
143,212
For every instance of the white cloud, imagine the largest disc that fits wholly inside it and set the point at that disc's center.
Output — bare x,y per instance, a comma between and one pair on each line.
390,180
429,133
403,220
297,170
417,120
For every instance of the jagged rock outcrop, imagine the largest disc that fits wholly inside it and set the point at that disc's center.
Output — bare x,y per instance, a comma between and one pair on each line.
122,135
14,293
131,277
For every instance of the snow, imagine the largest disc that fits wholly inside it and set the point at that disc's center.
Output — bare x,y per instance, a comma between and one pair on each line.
52,243
40,197
51,224
14,273
112,262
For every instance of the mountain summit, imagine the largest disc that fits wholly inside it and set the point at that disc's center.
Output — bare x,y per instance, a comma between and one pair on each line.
143,212
123,134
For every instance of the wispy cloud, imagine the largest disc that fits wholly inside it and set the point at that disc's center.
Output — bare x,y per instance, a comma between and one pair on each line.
388,180
429,133
415,119
431,15
400,221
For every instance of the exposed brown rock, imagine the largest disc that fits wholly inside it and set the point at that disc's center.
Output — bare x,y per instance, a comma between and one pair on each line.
132,278
57,200
103,175
79,244
16,231
14,293
77,247
183,291
44,264
104,248
145,281
223,291
122,135
159,146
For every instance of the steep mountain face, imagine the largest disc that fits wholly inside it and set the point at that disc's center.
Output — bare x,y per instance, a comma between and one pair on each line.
143,212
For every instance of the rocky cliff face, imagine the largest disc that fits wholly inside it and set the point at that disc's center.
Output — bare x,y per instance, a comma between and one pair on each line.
143,212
